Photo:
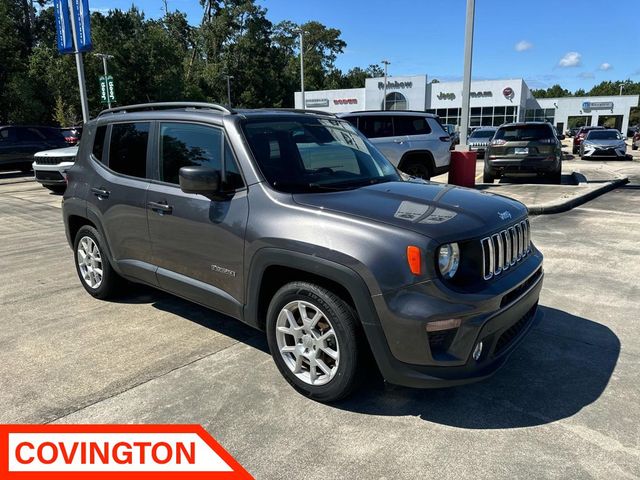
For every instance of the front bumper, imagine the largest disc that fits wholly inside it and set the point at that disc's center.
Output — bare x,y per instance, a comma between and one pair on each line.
479,150
592,151
51,174
499,318
522,165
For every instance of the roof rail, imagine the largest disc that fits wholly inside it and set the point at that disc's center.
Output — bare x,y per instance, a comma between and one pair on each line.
300,110
167,105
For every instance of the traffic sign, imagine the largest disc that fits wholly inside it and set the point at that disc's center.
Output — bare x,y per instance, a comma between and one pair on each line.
107,91
63,26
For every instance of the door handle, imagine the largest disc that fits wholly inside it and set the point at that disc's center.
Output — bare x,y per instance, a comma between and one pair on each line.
397,140
160,207
101,193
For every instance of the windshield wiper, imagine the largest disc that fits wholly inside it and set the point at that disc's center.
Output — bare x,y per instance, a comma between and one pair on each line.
350,184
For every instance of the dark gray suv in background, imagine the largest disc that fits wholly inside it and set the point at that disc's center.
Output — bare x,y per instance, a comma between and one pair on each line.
293,223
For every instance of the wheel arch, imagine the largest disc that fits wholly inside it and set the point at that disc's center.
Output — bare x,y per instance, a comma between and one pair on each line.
423,156
271,268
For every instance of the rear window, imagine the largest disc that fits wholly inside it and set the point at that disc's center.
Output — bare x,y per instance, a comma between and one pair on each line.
524,132
603,135
128,148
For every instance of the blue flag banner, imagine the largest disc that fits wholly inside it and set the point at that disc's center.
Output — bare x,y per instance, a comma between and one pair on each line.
63,26
81,17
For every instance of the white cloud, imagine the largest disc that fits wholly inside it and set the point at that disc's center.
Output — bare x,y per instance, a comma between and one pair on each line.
586,75
523,45
605,66
571,59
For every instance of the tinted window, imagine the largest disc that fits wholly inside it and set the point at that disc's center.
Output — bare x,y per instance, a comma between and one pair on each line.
98,142
524,132
482,134
128,148
405,125
51,133
30,135
376,127
352,120
315,154
603,135
185,145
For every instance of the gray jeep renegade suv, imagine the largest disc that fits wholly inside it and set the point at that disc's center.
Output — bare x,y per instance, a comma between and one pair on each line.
293,223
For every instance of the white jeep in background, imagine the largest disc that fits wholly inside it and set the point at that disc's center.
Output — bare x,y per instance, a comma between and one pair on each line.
50,167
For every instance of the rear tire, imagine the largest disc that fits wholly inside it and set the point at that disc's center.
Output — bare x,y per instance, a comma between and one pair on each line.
321,360
634,146
417,168
574,150
556,177
96,274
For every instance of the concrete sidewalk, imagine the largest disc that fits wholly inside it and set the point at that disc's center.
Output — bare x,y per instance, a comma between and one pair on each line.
581,181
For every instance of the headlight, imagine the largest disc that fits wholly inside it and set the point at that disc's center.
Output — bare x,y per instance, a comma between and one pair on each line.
448,259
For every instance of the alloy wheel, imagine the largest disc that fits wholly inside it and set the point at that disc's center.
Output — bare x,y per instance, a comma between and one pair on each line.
89,262
307,342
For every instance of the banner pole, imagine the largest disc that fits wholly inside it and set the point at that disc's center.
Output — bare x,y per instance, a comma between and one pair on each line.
79,65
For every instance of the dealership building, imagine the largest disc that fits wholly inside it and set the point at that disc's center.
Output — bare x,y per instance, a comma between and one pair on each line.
493,102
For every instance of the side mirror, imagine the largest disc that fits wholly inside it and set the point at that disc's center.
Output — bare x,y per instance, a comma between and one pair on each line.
201,180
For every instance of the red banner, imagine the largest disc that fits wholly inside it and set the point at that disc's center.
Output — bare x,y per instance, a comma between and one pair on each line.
114,451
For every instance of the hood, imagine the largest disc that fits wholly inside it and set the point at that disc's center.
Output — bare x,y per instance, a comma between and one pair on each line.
59,152
439,211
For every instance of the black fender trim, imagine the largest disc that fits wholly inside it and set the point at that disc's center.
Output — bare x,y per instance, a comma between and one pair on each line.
336,272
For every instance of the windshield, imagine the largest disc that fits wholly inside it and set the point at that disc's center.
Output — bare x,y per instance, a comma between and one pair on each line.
523,132
483,134
603,135
298,155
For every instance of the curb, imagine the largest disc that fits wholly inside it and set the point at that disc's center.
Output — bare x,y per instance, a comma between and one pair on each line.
550,208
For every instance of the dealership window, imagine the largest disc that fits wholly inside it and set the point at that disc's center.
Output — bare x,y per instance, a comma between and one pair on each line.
396,101
479,116
540,115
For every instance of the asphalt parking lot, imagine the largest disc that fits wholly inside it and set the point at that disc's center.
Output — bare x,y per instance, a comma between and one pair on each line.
567,405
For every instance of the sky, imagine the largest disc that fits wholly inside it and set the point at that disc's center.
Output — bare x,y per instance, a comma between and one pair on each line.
577,44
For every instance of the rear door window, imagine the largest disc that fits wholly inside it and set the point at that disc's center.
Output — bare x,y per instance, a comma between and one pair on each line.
98,142
406,125
28,134
128,148
376,126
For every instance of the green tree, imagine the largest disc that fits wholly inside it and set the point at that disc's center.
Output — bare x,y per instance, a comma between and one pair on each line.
554,91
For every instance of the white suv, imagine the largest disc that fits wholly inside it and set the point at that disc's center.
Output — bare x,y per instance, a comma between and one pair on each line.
415,142
50,167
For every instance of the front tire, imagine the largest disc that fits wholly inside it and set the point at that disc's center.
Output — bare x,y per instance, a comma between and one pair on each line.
92,265
487,177
634,146
312,336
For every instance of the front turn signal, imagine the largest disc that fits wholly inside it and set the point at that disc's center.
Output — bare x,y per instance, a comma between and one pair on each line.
414,259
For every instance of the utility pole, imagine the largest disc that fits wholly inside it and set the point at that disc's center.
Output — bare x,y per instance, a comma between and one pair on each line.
621,87
104,57
466,80
229,77
80,67
304,103
386,63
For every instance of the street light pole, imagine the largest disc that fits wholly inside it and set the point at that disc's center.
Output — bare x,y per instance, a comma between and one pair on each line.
229,77
621,87
466,80
386,63
104,57
304,103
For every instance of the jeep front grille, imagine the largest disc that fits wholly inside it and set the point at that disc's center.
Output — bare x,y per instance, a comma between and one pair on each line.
52,160
504,249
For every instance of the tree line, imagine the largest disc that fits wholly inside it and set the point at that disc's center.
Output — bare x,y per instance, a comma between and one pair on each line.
164,59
